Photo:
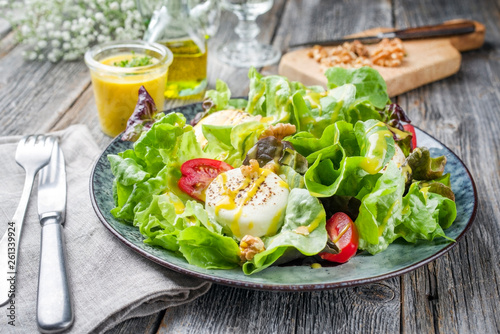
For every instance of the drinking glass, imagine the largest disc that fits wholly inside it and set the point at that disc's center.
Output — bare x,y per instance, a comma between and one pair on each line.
247,51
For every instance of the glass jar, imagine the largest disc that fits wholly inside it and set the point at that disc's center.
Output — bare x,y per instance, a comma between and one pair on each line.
116,86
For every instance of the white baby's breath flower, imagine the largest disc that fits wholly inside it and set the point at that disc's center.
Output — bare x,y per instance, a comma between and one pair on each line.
52,57
25,30
66,36
66,25
99,16
65,29
101,38
42,44
31,55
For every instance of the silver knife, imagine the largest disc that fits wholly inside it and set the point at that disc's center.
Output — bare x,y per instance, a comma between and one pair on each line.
439,30
54,307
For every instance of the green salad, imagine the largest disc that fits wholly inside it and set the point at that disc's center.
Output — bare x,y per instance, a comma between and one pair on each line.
290,172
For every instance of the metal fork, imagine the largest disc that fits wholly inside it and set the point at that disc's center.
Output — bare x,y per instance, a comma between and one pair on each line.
33,153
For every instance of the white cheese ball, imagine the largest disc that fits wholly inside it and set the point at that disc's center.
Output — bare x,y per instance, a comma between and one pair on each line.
248,205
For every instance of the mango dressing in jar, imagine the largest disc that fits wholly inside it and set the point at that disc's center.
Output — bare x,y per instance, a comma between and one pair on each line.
118,70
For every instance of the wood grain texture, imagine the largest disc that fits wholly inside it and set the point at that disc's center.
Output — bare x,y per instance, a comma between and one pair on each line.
233,310
144,325
38,91
4,28
458,292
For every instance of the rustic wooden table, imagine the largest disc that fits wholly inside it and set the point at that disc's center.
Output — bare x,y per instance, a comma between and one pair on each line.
457,293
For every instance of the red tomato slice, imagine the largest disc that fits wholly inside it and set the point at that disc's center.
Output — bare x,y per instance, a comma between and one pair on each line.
197,175
410,128
341,231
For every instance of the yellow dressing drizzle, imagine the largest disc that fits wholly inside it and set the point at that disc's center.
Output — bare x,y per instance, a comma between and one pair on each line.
311,227
273,227
381,228
228,201
178,206
377,143
283,184
425,191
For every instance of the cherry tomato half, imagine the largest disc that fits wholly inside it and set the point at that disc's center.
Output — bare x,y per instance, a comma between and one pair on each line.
197,175
341,231
410,128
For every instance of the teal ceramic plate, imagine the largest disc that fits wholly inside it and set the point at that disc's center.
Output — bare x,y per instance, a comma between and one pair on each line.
399,258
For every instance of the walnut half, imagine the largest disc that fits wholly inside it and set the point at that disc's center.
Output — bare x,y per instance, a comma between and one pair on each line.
279,131
250,246
252,170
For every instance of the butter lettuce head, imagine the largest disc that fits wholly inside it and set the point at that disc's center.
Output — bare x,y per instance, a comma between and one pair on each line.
341,152
346,159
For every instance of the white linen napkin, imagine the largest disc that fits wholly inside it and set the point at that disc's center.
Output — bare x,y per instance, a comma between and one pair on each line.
109,282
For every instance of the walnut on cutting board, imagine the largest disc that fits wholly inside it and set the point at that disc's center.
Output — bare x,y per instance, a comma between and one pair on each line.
387,53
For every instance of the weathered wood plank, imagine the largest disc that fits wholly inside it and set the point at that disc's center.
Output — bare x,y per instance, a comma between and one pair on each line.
144,325
7,43
458,292
229,310
4,28
35,95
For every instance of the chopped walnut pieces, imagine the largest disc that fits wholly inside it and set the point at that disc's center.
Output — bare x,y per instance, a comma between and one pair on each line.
251,170
388,53
279,131
249,246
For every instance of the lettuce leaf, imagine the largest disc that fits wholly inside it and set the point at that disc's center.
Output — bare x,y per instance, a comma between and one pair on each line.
370,86
143,117
346,159
425,167
380,211
126,170
207,249
270,96
302,210
219,97
155,163
425,214
231,143
386,215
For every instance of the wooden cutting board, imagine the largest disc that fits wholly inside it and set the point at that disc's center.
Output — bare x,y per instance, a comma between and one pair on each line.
426,60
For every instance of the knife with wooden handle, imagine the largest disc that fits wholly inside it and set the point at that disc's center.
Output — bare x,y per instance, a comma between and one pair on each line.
431,31
54,306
